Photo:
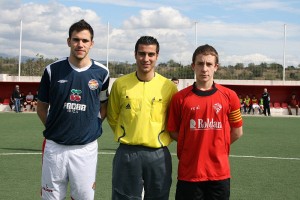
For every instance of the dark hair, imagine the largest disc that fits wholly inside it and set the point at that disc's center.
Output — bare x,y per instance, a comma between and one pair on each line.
174,79
206,50
148,40
80,26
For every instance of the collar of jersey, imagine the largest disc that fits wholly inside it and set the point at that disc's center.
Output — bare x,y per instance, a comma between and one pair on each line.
204,93
80,69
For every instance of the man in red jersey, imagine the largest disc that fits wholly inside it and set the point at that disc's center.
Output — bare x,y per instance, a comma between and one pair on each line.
205,119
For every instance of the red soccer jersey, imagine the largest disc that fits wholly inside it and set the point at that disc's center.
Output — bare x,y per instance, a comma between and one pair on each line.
203,120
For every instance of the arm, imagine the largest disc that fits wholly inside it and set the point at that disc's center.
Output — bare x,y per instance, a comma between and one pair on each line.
42,111
235,134
113,107
103,110
172,111
174,135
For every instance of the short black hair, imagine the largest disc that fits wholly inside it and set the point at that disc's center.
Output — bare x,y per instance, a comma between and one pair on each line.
80,26
148,40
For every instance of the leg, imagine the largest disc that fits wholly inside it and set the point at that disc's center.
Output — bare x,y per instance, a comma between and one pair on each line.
249,108
245,109
54,176
157,173
189,190
17,105
82,170
289,110
265,110
218,190
261,109
128,165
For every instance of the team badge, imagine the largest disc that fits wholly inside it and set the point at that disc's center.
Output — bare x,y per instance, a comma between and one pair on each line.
93,84
217,107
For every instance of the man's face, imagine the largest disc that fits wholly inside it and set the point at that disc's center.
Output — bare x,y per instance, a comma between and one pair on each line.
176,82
80,44
146,58
204,67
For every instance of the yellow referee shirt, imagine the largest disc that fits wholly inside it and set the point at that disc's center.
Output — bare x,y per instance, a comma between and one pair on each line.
137,110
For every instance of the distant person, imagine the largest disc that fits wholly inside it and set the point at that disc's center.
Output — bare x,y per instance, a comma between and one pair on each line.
175,80
22,99
261,105
137,112
255,104
205,119
35,100
293,103
11,103
16,97
72,102
247,105
241,102
266,102
28,101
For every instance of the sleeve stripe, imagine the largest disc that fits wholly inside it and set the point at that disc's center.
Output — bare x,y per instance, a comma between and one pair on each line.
235,116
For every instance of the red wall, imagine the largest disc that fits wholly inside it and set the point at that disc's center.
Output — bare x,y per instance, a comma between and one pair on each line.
277,93
6,88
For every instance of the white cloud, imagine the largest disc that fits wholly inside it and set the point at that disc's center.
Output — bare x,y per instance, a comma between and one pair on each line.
45,30
163,17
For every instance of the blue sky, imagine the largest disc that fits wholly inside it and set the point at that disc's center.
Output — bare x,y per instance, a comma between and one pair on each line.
243,31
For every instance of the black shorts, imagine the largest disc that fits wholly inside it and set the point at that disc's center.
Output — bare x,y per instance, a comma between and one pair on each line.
206,190
138,167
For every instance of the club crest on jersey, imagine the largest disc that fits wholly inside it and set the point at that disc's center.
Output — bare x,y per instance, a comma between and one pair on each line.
217,107
93,84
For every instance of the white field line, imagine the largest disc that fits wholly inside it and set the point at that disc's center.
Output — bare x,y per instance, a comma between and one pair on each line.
173,154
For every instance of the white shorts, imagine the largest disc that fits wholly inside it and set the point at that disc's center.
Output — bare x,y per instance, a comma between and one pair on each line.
255,106
76,164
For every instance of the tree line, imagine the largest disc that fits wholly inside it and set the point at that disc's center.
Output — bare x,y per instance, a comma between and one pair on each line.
263,71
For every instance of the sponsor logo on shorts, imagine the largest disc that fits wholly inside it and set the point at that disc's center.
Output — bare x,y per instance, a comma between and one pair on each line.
94,186
45,188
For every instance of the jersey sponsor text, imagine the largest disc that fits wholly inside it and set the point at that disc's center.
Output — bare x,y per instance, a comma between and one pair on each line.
201,124
75,107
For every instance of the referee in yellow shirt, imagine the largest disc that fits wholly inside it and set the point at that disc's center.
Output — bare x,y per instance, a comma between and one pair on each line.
137,112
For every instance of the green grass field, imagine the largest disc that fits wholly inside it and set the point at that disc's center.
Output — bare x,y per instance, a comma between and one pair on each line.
265,162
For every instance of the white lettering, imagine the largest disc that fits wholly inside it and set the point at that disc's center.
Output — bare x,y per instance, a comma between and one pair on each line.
201,124
75,106
192,124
